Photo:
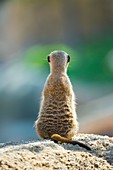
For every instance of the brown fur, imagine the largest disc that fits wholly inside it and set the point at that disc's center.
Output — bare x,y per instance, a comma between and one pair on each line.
57,113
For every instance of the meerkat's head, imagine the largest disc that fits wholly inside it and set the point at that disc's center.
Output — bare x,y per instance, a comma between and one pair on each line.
58,61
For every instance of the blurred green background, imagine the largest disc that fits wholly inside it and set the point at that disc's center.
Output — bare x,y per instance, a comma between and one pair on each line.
29,31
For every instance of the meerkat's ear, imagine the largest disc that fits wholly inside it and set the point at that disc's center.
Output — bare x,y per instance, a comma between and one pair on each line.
68,58
48,58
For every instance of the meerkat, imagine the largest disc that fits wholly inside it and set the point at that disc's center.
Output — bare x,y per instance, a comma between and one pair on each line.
57,118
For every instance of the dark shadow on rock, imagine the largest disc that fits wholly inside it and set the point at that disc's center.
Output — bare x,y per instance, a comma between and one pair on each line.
108,156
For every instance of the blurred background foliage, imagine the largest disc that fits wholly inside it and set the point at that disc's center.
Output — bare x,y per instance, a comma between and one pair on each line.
29,31
94,66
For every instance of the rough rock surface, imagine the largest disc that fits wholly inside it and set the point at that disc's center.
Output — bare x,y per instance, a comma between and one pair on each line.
47,155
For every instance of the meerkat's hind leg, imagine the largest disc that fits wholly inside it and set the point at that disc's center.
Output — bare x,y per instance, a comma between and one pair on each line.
57,138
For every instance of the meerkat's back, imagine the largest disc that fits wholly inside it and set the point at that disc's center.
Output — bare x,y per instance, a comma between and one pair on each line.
57,113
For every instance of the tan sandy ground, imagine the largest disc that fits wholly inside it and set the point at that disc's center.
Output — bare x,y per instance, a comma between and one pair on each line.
47,155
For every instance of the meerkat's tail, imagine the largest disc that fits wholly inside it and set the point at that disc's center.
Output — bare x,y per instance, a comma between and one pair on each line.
58,138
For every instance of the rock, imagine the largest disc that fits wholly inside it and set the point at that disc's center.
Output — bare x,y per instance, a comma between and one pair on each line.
47,155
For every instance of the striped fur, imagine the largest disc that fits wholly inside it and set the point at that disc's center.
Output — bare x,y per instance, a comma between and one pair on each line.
57,113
